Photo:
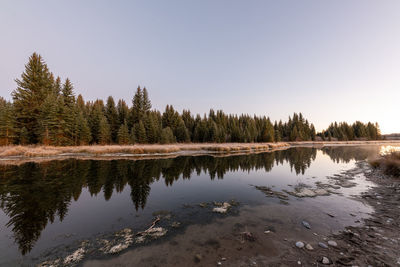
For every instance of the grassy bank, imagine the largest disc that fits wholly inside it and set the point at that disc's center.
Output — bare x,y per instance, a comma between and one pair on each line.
148,149
390,163
48,151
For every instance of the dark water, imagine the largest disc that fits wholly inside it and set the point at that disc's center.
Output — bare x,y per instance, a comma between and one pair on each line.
48,208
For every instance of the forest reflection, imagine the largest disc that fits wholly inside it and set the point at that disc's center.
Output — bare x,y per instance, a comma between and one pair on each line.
34,194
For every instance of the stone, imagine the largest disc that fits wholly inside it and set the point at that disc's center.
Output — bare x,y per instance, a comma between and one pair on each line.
299,244
322,245
306,224
332,243
198,258
325,261
309,247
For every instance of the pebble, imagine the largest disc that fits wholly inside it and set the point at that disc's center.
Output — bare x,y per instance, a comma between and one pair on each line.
299,262
309,247
306,224
219,263
223,259
299,244
267,232
325,261
197,258
322,245
332,243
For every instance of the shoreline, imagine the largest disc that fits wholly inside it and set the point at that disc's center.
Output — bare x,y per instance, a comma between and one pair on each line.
15,155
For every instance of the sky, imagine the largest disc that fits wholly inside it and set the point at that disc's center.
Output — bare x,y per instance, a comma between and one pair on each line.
331,60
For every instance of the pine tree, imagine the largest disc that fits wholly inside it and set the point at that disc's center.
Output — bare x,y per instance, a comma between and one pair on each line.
104,131
146,101
68,94
123,134
137,106
83,136
182,133
23,136
123,112
132,136
140,133
294,134
95,115
112,118
7,123
69,117
167,136
57,86
33,87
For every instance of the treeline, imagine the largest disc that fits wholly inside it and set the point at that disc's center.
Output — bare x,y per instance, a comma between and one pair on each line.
46,111
357,131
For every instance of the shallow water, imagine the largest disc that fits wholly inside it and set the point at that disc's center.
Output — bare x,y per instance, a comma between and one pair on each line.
48,209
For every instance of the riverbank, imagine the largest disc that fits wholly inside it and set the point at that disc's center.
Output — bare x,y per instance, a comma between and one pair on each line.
20,154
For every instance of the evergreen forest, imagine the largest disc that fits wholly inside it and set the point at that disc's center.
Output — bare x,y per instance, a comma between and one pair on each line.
45,110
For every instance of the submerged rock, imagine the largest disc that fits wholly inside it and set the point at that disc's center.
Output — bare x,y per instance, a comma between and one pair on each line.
303,191
222,209
271,193
117,245
75,257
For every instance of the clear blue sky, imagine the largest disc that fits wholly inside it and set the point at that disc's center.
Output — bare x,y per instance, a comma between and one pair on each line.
331,60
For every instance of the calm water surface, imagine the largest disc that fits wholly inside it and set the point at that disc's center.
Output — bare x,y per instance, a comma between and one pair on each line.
48,209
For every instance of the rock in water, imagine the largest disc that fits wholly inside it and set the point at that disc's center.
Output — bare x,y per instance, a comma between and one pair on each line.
325,261
299,244
309,247
306,224
332,243
322,245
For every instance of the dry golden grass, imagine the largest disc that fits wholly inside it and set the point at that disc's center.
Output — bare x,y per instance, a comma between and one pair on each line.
389,163
46,151
152,149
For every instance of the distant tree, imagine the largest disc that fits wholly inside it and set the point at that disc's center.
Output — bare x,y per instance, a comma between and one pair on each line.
104,131
123,134
68,94
83,136
8,131
23,136
112,118
137,106
140,132
123,112
146,100
167,136
57,86
182,133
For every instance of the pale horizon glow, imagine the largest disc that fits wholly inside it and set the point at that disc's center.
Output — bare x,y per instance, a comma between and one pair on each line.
330,60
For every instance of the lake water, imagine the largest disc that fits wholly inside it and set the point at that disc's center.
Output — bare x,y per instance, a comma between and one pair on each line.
48,209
